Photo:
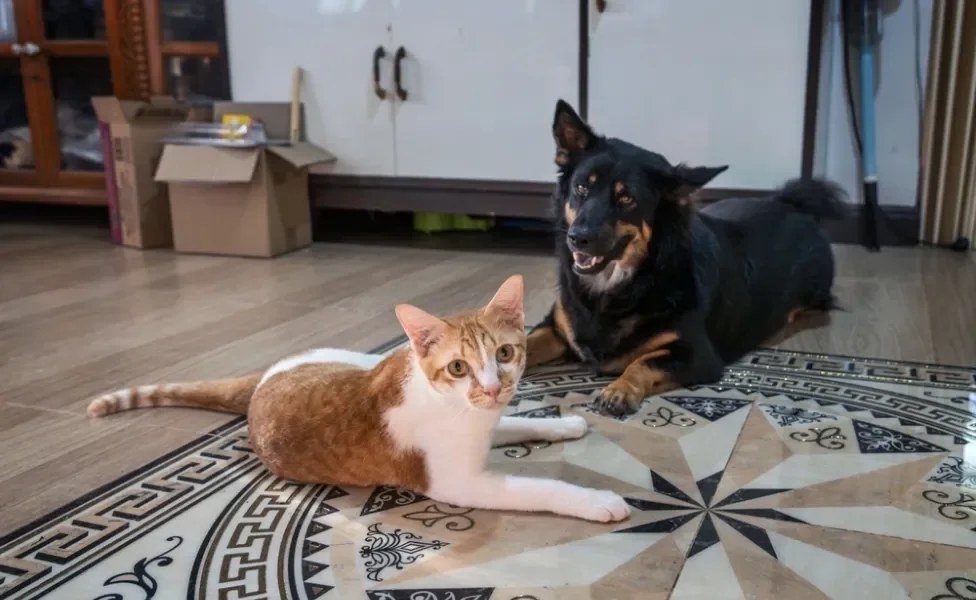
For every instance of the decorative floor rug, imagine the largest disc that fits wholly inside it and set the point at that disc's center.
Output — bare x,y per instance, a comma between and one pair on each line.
799,476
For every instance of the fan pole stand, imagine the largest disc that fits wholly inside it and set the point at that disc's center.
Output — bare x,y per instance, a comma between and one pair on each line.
867,40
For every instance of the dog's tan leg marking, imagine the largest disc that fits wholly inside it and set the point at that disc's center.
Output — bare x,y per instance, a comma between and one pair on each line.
794,315
549,343
638,380
543,345
651,346
624,395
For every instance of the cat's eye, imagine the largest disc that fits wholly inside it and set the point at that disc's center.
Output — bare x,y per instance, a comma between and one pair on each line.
625,200
581,190
457,368
505,353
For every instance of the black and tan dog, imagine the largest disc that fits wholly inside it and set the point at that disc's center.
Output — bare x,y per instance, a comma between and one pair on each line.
662,295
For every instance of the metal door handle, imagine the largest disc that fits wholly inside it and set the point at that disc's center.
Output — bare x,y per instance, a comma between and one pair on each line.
400,92
377,88
28,49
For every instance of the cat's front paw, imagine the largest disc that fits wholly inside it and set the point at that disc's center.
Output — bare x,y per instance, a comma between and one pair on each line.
568,428
604,506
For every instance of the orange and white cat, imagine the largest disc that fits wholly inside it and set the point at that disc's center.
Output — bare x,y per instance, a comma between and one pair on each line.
423,418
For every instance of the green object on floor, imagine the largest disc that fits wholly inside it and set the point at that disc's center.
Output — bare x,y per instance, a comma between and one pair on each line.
430,222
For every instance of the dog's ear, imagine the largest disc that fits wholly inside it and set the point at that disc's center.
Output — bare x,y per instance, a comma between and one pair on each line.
687,180
572,135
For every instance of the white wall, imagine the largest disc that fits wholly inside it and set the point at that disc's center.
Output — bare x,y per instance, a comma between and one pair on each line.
896,106
728,88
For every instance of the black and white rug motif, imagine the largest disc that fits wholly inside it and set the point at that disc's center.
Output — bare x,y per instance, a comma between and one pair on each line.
798,475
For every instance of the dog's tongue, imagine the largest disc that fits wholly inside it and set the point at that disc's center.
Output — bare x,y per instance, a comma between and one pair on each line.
585,261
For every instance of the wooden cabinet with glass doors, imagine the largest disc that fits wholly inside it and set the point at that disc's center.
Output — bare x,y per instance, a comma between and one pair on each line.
56,54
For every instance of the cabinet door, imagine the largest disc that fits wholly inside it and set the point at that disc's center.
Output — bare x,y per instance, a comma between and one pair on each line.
66,56
482,79
334,42
187,47
63,52
704,81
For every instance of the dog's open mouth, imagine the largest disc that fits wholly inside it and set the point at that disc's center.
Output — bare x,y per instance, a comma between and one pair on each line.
590,264
587,263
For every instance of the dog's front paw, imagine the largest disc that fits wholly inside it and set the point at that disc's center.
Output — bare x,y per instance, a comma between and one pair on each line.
618,400
603,506
567,428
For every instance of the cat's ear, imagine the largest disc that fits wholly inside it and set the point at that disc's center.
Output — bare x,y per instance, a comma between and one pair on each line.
507,302
422,328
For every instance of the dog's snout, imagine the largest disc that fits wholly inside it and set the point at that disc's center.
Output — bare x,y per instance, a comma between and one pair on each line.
581,239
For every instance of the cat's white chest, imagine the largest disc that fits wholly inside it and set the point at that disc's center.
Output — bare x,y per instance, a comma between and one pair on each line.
448,434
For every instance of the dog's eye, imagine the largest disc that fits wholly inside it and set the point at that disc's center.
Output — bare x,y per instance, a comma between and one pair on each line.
581,189
625,200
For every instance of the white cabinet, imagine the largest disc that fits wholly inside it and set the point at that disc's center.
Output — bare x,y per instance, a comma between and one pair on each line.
704,81
482,78
333,41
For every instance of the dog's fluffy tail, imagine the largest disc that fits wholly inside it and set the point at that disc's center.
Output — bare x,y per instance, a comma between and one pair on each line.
819,198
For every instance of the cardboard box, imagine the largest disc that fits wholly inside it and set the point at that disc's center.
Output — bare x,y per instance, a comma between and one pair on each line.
111,187
139,207
242,202
198,111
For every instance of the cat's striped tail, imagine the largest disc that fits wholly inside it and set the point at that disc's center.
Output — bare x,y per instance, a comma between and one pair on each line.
223,395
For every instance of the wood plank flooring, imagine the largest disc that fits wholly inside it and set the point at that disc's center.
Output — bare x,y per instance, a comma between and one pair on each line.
79,316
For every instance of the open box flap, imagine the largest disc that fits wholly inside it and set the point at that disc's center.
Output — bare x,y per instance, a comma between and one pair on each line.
110,109
163,101
203,164
173,113
302,154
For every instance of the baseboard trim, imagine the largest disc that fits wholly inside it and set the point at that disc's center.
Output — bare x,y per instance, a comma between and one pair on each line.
526,199
409,194
898,226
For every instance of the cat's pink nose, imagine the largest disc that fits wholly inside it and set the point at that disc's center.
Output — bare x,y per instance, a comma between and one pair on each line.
493,390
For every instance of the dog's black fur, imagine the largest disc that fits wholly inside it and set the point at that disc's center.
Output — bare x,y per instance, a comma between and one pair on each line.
724,279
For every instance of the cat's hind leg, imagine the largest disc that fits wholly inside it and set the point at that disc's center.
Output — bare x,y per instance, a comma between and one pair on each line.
515,430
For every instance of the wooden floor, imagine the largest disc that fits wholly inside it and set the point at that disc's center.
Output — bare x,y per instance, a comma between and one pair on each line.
79,316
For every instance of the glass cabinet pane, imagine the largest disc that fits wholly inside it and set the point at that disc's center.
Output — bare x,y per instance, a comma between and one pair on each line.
16,147
75,81
190,20
8,24
74,20
194,79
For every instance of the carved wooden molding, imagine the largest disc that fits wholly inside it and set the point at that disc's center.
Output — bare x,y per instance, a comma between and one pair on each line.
129,49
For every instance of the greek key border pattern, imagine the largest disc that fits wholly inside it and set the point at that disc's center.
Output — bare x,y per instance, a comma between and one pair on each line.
53,553
94,529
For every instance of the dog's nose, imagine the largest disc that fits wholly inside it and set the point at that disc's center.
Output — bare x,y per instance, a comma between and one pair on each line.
581,238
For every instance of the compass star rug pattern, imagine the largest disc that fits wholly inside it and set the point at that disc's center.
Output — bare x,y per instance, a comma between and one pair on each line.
801,476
